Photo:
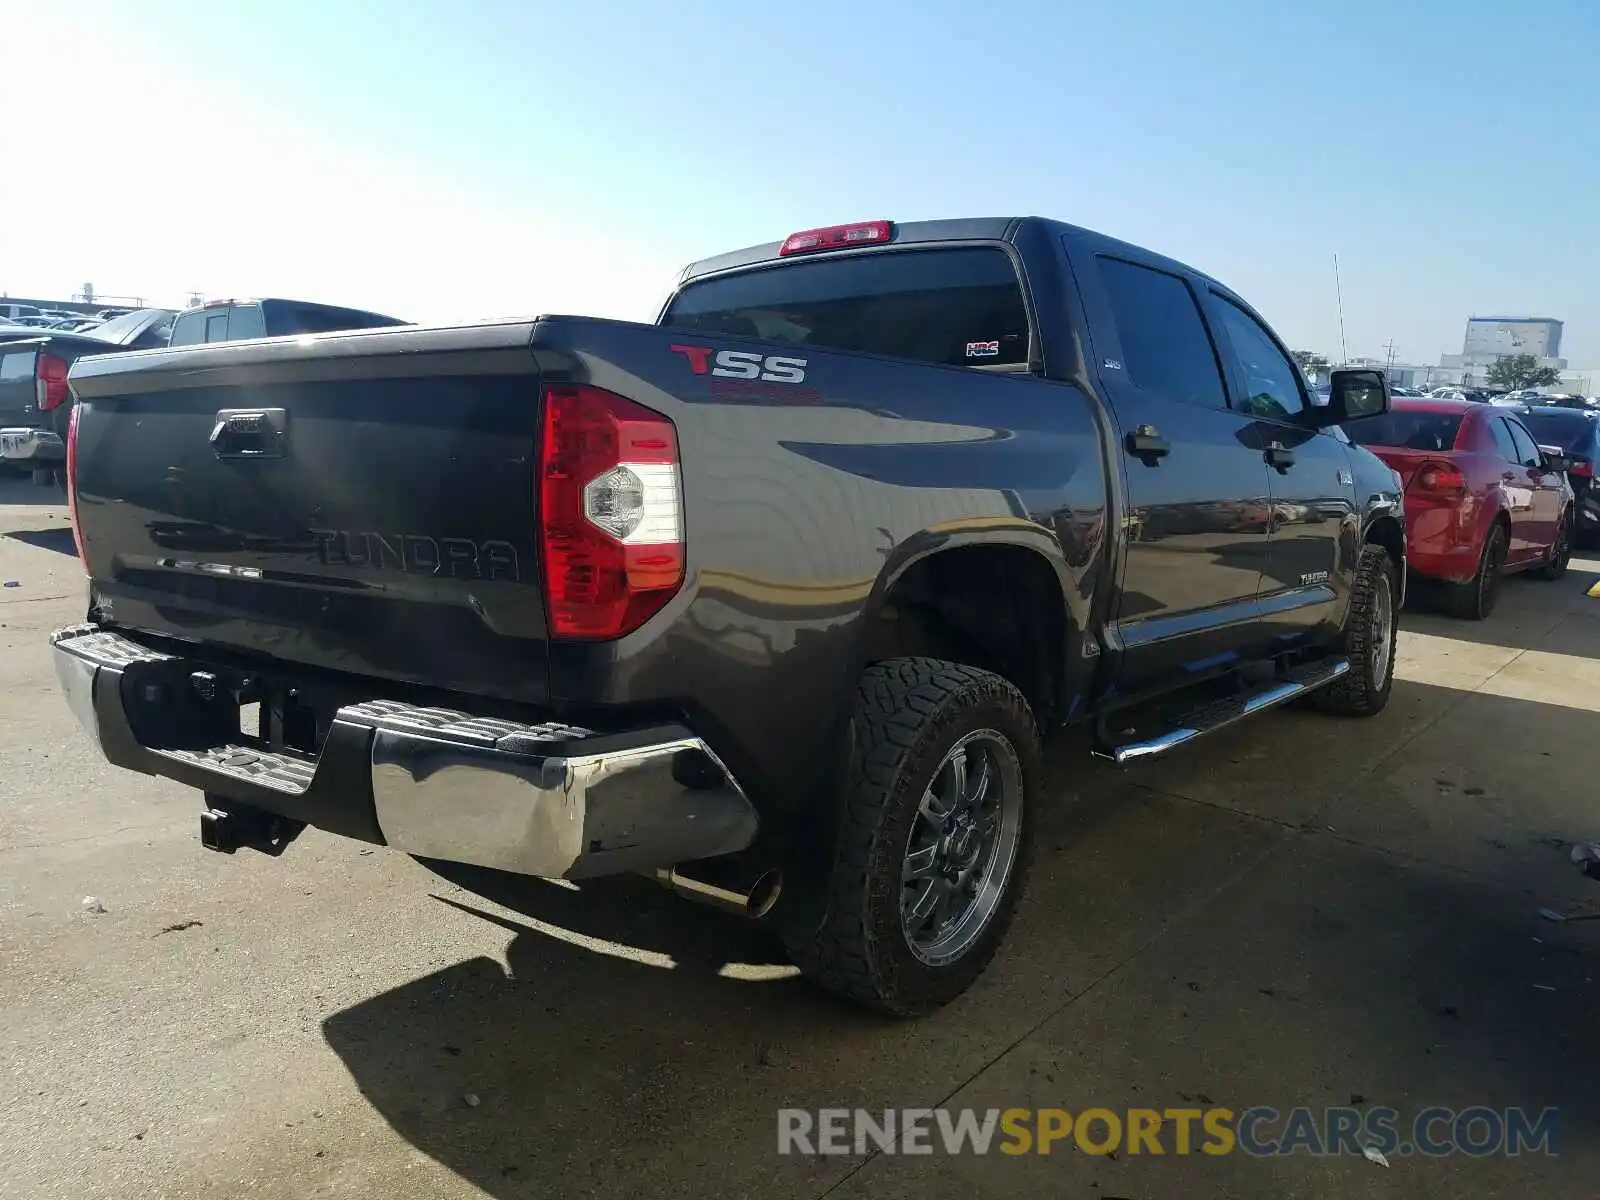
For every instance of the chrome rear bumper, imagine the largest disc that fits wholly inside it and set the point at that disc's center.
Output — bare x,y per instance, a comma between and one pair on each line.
538,799
25,445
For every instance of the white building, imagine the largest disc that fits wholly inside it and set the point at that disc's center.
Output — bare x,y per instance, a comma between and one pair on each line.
1496,337
1489,339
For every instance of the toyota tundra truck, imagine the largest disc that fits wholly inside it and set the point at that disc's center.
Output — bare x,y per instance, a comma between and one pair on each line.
772,599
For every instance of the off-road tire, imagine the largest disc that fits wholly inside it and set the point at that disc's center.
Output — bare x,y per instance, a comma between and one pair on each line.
1364,689
1555,566
909,713
1475,599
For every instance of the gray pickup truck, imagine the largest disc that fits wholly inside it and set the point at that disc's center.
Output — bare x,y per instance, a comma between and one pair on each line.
773,599
35,401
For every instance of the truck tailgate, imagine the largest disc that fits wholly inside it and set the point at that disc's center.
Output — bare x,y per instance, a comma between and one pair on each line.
18,391
358,502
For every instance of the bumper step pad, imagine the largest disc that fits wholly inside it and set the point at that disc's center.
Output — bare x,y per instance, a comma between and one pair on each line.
536,798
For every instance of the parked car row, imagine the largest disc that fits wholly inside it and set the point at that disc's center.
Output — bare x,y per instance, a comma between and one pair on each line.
1511,398
1485,494
36,404
31,316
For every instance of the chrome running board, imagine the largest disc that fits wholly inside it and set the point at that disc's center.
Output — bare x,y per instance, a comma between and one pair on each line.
1219,714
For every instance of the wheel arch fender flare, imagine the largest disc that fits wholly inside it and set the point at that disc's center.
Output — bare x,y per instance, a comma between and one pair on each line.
1003,532
1066,586
1385,527
926,543
1497,514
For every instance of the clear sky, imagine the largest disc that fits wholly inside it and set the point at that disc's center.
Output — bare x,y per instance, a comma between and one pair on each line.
441,160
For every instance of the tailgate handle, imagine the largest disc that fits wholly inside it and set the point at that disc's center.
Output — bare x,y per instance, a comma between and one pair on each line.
250,432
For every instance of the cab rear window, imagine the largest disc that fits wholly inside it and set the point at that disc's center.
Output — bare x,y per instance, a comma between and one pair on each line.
960,307
286,317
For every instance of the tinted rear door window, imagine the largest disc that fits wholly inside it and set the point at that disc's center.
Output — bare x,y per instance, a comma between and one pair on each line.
1165,347
956,306
245,321
1528,452
1502,440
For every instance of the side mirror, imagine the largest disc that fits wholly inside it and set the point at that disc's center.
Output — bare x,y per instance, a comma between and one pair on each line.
1353,393
1555,460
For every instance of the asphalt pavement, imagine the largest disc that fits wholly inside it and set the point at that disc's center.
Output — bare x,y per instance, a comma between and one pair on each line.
1299,912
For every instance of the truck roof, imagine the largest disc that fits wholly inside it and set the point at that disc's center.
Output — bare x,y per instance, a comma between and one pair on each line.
955,230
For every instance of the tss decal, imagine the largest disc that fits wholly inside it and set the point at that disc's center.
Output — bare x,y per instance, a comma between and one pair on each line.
743,364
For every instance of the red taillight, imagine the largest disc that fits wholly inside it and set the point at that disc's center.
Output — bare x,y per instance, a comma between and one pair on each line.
610,512
72,481
1582,467
836,237
50,382
1440,478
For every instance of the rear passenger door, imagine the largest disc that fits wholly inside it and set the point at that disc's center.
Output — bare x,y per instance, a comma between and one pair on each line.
1196,502
1546,487
1518,491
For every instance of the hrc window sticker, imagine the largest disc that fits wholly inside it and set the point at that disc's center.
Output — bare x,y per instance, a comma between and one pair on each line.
983,349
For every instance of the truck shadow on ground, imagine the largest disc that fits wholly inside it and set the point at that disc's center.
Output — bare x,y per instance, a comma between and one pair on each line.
60,540
634,1042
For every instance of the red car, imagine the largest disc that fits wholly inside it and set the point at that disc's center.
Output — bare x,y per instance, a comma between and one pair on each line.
1481,497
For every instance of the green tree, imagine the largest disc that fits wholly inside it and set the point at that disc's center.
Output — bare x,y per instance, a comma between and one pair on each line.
1513,371
1311,363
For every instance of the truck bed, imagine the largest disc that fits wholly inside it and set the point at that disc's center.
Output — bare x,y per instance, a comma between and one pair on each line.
362,503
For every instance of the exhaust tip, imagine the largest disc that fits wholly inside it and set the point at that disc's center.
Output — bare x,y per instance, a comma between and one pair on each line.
764,895
754,904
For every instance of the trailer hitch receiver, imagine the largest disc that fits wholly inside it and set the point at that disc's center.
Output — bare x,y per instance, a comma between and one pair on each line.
226,825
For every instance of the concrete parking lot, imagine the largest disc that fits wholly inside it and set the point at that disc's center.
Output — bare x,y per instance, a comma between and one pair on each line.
1302,911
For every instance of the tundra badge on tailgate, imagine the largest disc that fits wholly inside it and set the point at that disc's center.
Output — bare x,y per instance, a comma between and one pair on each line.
417,554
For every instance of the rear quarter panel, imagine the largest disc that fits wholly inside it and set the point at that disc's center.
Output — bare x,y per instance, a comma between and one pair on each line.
804,502
1488,498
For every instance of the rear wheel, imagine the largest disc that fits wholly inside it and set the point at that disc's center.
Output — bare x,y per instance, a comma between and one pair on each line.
1555,566
934,838
1368,641
1475,599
